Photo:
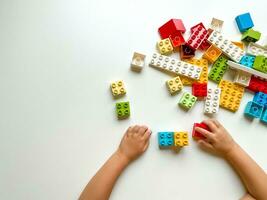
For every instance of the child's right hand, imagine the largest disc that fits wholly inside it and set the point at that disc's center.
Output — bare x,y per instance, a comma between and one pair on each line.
218,140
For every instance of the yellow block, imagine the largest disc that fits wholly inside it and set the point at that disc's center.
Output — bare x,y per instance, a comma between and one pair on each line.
117,88
181,139
165,46
174,85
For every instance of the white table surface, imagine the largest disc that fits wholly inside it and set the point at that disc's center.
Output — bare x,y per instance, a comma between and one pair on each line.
57,116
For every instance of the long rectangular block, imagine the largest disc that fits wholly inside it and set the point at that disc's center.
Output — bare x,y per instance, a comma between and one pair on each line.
212,101
218,69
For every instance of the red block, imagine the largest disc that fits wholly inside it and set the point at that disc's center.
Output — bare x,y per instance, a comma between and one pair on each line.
186,52
197,135
257,85
198,35
170,27
205,44
192,29
199,89
177,39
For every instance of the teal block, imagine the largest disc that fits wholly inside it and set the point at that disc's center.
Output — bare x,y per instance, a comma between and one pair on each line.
123,110
264,117
247,61
187,101
165,139
218,69
253,109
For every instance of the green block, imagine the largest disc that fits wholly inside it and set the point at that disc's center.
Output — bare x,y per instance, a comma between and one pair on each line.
123,110
218,69
187,101
251,36
260,64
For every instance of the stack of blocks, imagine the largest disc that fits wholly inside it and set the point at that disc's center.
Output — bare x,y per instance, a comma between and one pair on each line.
176,140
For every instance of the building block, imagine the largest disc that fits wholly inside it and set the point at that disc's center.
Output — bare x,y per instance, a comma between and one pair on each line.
251,36
212,101
138,62
181,139
187,101
261,98
197,37
253,109
170,27
231,95
216,24
175,67
241,45
197,135
260,64
165,139
186,52
165,46
123,110
212,54
257,85
226,46
218,69
205,44
264,117
242,78
174,85
177,39
247,61
199,90
117,89
256,49
244,22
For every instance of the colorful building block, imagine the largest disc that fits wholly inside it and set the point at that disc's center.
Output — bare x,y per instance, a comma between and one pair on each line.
165,139
138,62
257,85
247,61
123,110
244,22
264,117
218,69
197,135
165,46
241,45
251,36
260,98
117,89
212,54
181,139
212,101
170,27
174,85
226,46
186,52
199,90
177,39
256,49
205,44
197,37
175,67
253,109
216,24
231,95
187,101
242,78
260,64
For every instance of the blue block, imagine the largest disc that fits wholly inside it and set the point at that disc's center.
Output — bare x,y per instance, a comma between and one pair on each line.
260,98
244,22
247,61
165,139
253,109
264,117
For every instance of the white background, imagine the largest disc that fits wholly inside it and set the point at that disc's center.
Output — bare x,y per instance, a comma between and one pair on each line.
57,115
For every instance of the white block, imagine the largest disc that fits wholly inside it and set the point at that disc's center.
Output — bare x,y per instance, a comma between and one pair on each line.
256,49
242,78
212,101
138,62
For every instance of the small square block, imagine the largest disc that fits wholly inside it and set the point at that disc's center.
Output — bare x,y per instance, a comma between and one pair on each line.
138,62
253,109
212,101
177,39
251,36
264,117
242,78
216,24
174,85
123,110
117,89
165,46
181,139
244,22
197,135
212,54
199,90
165,139
187,101
260,98
247,61
260,64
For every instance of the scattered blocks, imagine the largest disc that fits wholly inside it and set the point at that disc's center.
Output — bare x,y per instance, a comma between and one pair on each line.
251,36
216,25
187,101
226,46
256,50
218,69
253,109
199,90
257,85
212,54
177,39
244,22
117,89
231,95
260,64
247,61
264,117
186,52
165,139
197,135
212,101
197,37
138,62
174,85
242,78
165,46
123,110
170,27
260,98
181,139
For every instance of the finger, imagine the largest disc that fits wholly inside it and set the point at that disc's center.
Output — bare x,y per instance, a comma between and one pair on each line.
216,122
136,128
211,125
147,134
205,145
142,130
205,133
146,146
129,131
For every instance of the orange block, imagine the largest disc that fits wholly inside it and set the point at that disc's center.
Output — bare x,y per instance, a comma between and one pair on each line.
241,45
212,54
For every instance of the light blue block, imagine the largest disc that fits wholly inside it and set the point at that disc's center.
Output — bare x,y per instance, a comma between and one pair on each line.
247,61
165,139
244,22
264,117
253,109
260,98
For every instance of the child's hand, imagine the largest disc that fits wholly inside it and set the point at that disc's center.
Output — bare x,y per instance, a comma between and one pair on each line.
218,140
134,142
